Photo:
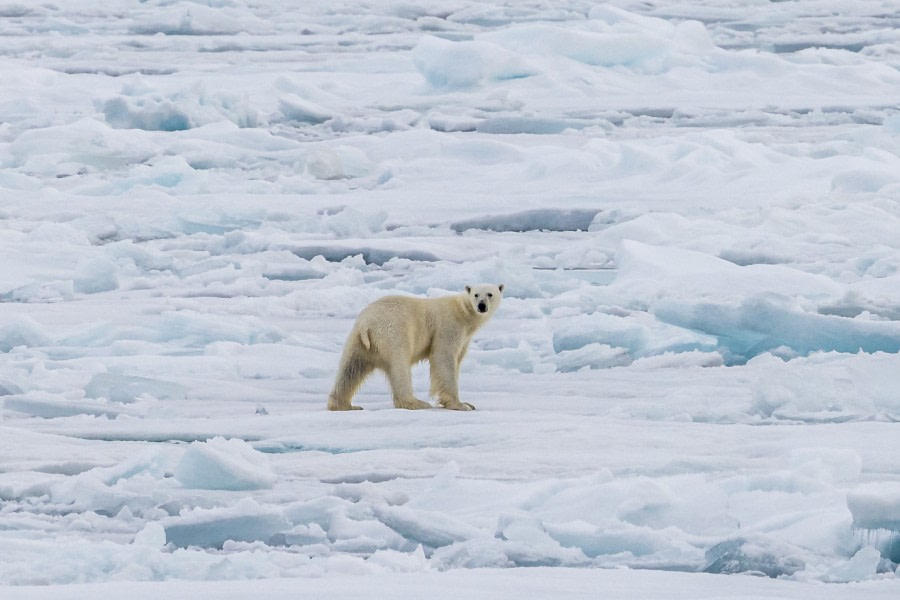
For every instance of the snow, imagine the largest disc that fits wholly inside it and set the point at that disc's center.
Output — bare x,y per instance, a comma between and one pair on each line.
689,391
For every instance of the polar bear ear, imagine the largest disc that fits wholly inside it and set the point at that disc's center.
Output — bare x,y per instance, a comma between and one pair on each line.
468,289
500,287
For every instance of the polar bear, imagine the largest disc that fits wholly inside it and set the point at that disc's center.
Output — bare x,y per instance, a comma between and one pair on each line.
395,332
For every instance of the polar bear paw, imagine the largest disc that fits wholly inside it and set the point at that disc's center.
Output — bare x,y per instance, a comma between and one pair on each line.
411,404
344,407
464,406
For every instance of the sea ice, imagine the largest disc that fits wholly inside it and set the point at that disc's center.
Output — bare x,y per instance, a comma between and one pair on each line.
862,566
754,556
211,528
125,389
450,65
222,464
875,506
694,209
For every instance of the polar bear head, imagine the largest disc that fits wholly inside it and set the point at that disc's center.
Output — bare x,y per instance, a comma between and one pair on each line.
484,298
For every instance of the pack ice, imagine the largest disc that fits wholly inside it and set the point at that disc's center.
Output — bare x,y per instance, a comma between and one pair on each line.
693,378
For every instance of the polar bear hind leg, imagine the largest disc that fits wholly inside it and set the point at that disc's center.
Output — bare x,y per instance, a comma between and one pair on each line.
353,370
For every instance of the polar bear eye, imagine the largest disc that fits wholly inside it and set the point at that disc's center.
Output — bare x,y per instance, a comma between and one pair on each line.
490,295
476,295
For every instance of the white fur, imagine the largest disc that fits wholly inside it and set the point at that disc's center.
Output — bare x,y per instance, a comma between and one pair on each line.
395,332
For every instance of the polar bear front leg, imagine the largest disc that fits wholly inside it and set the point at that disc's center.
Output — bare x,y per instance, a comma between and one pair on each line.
400,378
444,368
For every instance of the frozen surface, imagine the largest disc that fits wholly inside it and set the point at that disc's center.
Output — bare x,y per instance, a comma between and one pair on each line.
691,389
221,464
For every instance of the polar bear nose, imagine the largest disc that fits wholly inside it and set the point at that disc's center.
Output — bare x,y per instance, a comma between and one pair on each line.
482,307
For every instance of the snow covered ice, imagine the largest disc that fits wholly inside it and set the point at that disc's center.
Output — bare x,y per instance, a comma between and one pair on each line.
694,377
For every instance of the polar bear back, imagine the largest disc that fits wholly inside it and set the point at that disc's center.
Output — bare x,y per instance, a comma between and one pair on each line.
409,325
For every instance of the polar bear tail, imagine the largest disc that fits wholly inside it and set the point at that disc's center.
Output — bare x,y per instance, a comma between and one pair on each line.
365,339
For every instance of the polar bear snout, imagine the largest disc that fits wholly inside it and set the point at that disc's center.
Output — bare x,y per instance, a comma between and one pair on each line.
482,307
